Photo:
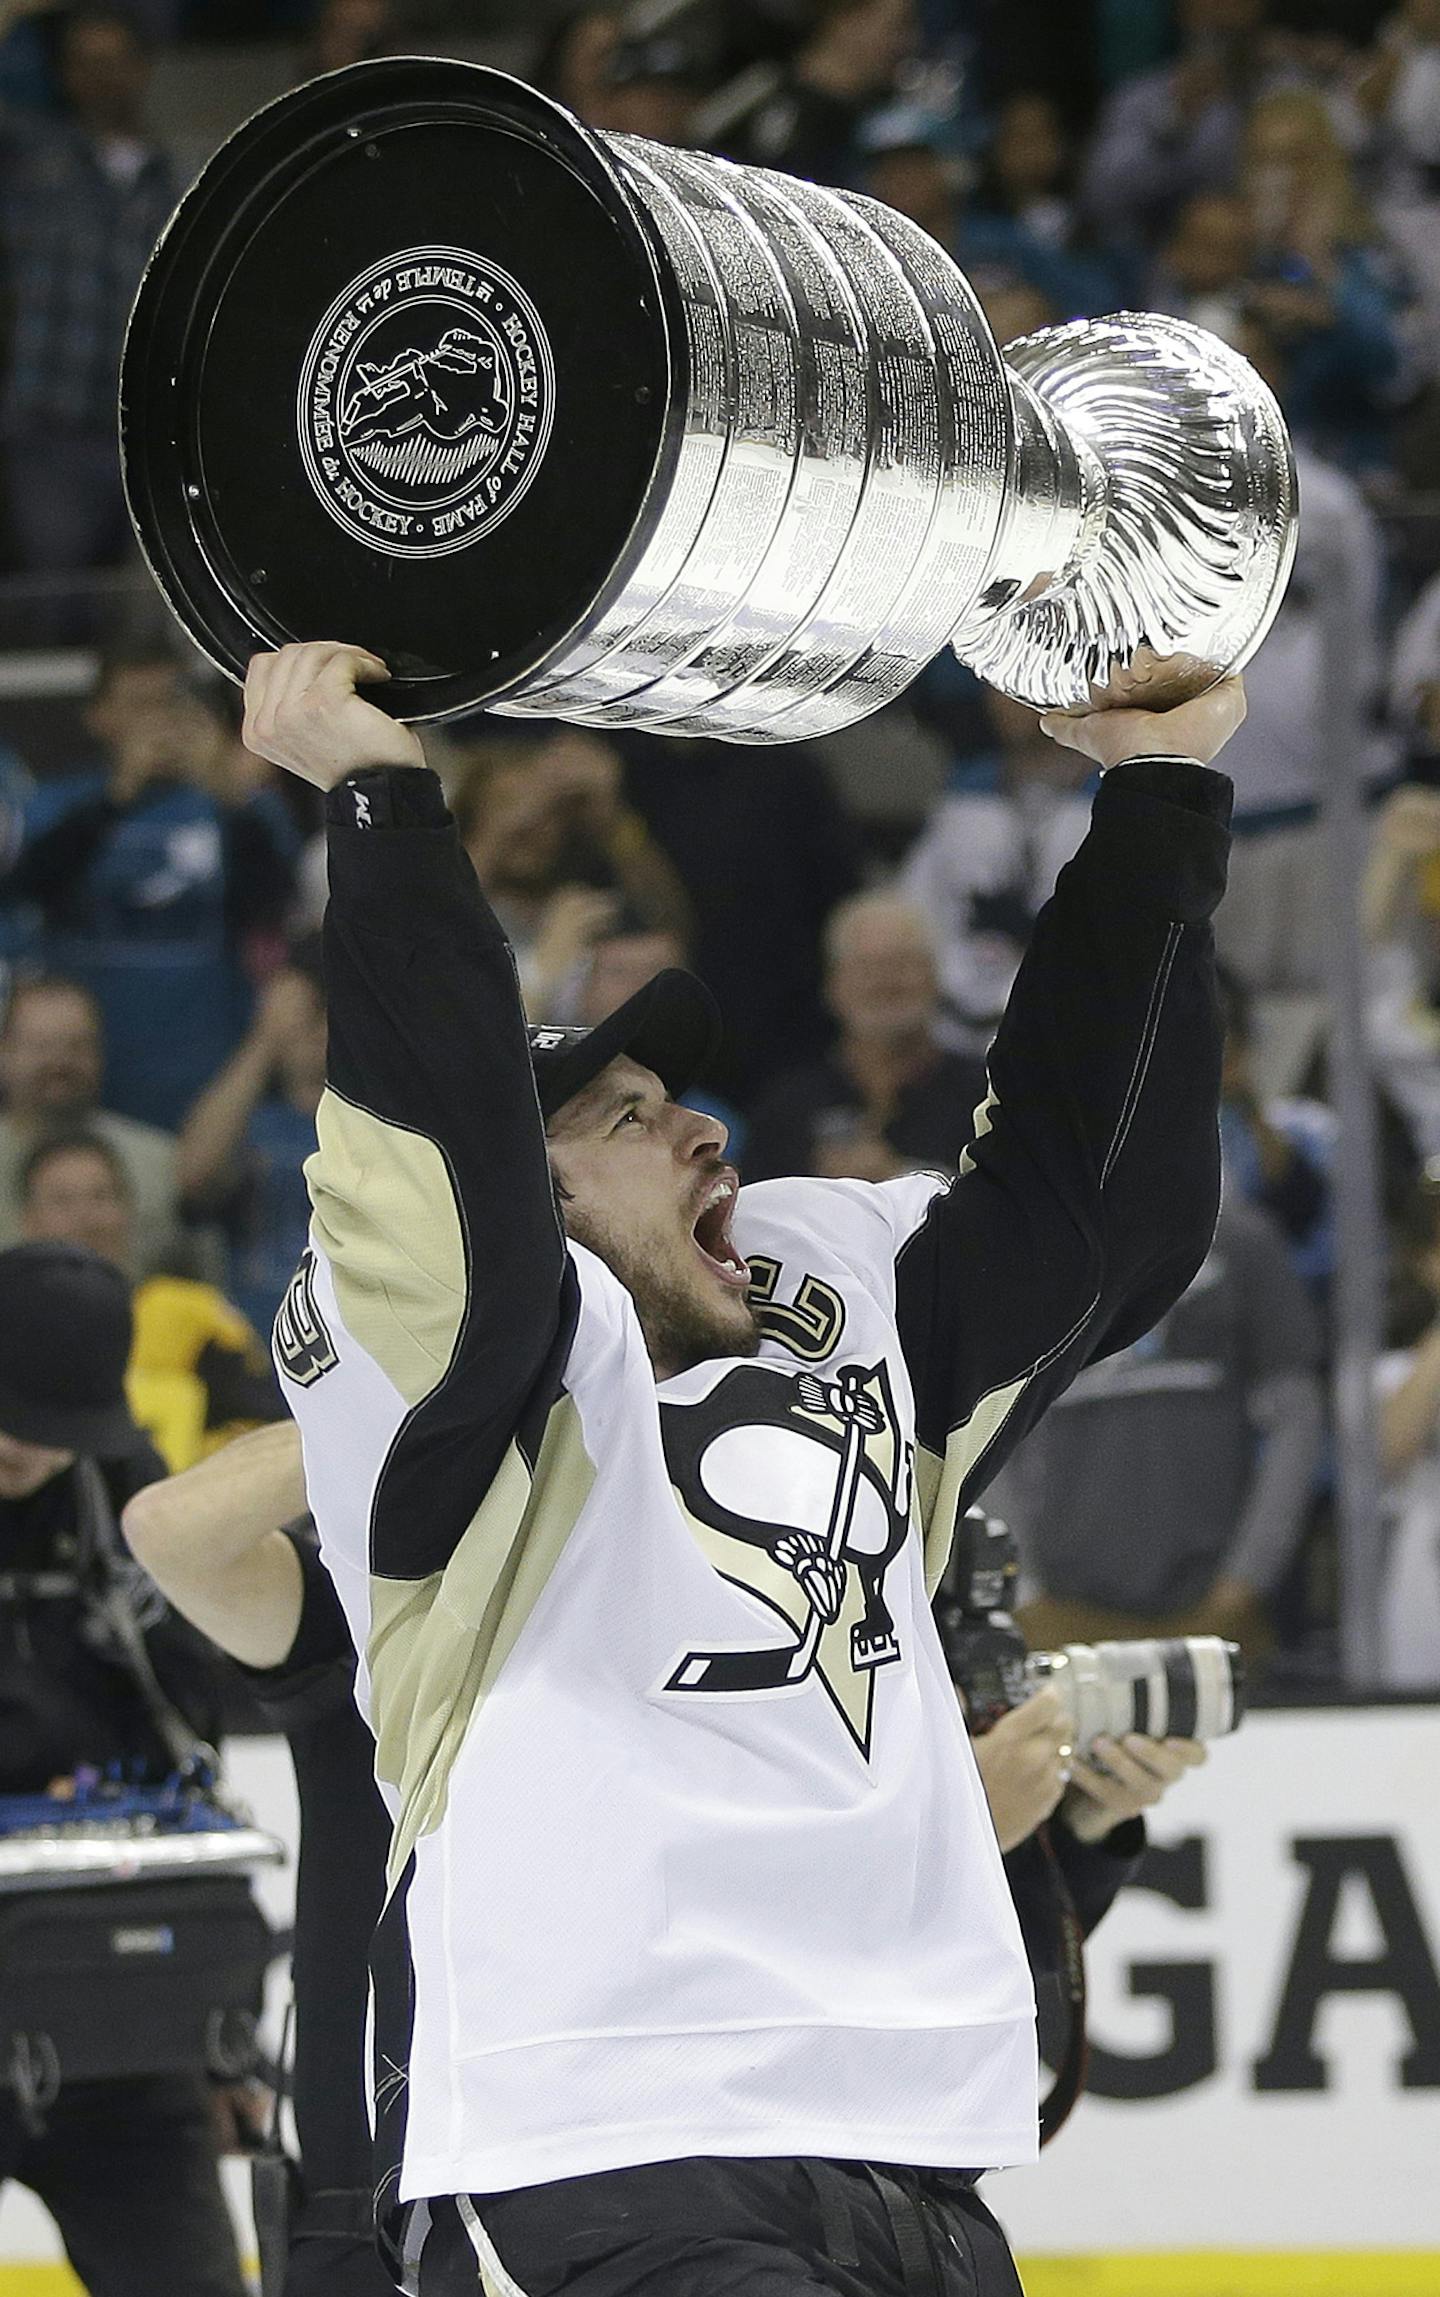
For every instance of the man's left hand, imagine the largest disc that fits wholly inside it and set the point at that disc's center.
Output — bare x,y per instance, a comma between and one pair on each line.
1136,1774
1199,728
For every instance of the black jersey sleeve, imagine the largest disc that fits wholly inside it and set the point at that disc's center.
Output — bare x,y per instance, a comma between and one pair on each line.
433,1202
1088,1199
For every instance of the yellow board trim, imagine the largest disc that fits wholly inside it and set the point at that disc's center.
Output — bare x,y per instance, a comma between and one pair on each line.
1171,2273
1238,2273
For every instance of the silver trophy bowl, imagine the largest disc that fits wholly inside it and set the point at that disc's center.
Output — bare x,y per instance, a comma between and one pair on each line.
827,472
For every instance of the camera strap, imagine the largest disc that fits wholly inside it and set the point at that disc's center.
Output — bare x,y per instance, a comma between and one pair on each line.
110,1591
1069,2081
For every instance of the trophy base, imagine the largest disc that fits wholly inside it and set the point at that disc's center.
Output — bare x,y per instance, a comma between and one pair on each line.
1180,563
342,414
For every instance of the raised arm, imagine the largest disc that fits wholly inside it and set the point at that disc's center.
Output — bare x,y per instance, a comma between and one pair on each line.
438,1261
1089,1198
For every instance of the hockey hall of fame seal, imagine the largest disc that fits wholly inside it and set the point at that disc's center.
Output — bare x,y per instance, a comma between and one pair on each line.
425,402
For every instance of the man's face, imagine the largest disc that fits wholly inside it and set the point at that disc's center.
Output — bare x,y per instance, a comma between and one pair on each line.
1013,309
658,109
144,702
103,69
915,181
1210,250
1030,144
25,1468
881,979
50,1056
75,1197
650,1193
544,819
349,32
1221,19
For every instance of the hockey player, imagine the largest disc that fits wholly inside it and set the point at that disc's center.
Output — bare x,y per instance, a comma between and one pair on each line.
697,1966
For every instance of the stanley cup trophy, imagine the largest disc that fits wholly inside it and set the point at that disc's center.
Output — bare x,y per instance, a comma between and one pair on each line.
574,426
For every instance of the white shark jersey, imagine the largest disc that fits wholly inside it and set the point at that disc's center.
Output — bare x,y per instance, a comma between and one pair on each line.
690,1851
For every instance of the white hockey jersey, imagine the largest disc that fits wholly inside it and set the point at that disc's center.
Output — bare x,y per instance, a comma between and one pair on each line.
691,1855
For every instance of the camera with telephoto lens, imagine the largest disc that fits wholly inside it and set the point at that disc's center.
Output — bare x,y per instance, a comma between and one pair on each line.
1181,1686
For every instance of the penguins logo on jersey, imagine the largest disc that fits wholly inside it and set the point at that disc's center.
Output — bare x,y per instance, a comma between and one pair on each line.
825,1457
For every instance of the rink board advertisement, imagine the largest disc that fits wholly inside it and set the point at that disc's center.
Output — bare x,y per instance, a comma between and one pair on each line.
1265,2010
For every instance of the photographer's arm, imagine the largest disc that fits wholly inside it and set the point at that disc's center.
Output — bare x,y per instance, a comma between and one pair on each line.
210,1540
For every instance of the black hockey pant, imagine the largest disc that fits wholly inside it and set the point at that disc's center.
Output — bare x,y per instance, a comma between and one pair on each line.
715,2228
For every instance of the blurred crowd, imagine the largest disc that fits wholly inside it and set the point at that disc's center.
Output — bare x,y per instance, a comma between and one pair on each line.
1270,171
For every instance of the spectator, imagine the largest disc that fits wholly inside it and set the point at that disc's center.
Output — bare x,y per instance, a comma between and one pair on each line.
1400,914
910,167
1409,1434
573,64
1012,306
198,1374
1169,134
764,849
1023,217
1277,1153
349,32
621,962
907,168
988,859
214,1542
52,1058
19,920
151,870
1323,288
244,1144
126,2166
1415,683
652,85
1270,925
888,1097
558,852
1168,1489
82,202
808,122
1401,96
1204,271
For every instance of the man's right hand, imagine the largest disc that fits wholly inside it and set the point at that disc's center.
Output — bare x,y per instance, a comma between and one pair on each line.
302,711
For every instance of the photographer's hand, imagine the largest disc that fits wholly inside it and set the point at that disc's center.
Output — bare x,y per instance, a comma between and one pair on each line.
1136,1774
1024,1762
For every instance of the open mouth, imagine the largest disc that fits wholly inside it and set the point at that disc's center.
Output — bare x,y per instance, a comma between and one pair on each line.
710,1230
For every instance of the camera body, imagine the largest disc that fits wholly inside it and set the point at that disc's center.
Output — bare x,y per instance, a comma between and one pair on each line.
1182,1686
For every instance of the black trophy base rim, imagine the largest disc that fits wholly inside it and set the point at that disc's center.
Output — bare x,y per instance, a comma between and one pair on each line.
402,371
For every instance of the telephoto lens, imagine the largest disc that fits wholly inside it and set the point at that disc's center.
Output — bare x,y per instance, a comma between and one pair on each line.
1181,1687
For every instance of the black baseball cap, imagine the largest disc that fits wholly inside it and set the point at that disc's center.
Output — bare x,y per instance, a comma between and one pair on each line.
672,1026
64,1344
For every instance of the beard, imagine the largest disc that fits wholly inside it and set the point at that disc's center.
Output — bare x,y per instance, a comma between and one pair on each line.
682,1326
